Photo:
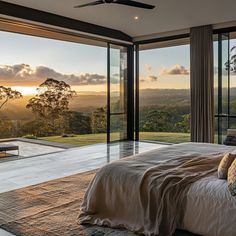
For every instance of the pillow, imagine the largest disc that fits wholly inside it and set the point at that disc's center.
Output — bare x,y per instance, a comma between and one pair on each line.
224,165
232,178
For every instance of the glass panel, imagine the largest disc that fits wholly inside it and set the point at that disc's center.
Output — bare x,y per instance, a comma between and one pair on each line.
165,94
224,126
232,123
216,48
216,131
231,135
118,92
221,57
118,127
225,77
118,76
233,76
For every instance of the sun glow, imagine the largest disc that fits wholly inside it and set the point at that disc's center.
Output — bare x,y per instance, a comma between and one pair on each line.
32,90
29,90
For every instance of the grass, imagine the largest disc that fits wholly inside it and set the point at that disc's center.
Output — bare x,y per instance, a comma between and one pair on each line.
165,137
78,140
88,139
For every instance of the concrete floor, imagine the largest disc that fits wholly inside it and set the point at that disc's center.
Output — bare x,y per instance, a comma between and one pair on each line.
25,172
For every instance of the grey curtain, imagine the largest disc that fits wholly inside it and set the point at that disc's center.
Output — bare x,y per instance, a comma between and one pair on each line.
202,84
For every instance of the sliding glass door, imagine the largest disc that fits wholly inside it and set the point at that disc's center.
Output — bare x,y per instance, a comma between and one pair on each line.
222,76
94,80
225,84
117,93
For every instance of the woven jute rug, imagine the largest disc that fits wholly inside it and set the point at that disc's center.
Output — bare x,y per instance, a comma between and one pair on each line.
51,209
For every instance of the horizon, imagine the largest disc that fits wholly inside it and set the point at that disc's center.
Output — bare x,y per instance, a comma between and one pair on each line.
27,90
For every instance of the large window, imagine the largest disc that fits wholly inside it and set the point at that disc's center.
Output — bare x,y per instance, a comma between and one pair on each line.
56,90
164,93
225,85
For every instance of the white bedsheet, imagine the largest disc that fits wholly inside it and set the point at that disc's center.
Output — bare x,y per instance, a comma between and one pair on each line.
211,209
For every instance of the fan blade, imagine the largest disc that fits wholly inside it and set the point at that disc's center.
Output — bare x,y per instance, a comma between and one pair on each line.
134,4
90,4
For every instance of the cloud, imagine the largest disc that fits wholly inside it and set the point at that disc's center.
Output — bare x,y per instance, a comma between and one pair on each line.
175,70
14,71
148,78
148,67
152,78
150,74
24,73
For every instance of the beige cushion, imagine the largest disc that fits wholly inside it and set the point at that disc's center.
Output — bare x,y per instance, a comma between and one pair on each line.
224,165
232,178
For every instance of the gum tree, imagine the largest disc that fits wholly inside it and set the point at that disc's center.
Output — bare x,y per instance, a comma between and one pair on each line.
52,103
7,94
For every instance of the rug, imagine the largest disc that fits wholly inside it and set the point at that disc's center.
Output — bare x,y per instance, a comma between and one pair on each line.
51,209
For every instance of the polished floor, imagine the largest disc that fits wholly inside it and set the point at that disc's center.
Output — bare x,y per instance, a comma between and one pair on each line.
25,172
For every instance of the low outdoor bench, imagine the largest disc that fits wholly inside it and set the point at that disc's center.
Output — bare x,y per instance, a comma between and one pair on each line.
8,147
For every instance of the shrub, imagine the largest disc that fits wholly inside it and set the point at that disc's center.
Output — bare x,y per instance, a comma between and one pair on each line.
29,136
68,136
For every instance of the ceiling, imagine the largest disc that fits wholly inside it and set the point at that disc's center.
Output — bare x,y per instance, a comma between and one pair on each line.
169,15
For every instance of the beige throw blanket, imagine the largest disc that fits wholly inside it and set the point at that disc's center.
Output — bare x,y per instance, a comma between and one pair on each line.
147,194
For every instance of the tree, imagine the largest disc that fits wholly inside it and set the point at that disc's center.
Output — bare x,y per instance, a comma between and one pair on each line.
52,102
231,63
99,120
7,129
78,123
184,124
7,94
34,127
158,121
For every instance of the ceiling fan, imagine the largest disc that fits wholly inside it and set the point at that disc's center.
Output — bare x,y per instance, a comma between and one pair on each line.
122,2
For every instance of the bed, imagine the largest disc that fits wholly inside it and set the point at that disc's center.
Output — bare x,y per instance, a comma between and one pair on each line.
156,192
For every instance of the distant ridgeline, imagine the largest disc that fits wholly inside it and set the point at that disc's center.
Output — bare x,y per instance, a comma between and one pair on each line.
87,103
161,110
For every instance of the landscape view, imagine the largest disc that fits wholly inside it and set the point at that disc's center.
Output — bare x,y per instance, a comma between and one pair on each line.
52,90
165,94
57,91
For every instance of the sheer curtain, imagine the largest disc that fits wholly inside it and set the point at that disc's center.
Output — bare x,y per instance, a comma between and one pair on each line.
202,84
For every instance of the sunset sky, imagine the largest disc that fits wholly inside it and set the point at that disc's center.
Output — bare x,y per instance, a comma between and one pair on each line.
26,61
165,67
